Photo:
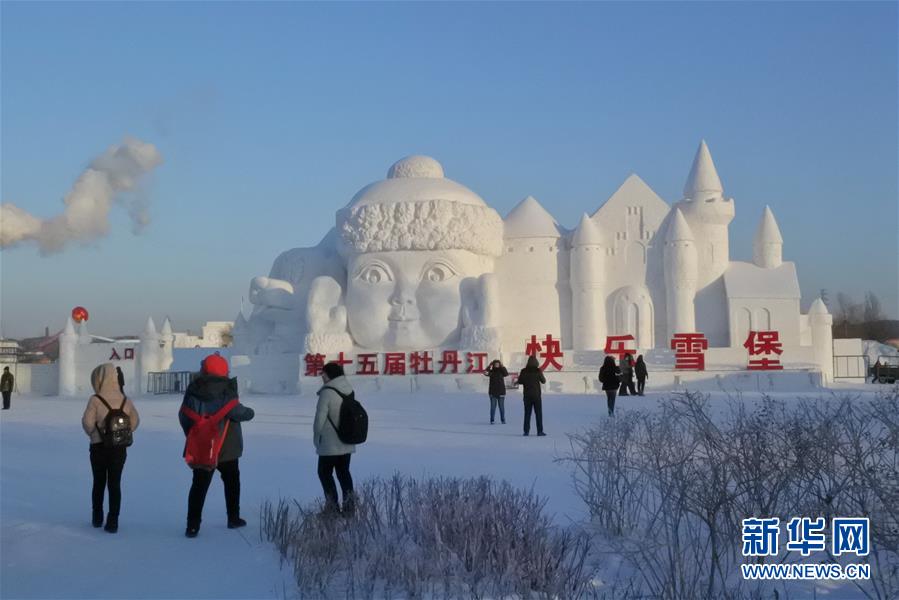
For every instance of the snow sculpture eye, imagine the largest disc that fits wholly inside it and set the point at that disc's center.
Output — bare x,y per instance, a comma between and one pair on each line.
438,273
373,274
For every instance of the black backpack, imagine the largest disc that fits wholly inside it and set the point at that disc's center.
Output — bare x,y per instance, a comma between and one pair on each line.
353,419
116,432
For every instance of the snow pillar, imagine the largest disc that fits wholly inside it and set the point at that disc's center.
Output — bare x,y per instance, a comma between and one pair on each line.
149,354
68,341
821,323
167,338
767,247
681,274
588,304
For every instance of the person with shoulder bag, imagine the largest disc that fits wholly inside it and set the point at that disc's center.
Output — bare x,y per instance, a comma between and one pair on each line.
109,419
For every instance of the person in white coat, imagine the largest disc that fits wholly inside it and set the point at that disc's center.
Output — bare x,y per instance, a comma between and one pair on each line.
333,455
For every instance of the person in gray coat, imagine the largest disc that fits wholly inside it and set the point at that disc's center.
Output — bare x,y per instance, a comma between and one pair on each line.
333,454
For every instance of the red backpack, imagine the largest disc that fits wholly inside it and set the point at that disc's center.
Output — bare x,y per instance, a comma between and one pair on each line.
205,438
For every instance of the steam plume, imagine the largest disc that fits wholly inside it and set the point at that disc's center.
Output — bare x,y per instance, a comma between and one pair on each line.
87,205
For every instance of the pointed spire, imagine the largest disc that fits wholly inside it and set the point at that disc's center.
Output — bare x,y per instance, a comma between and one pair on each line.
84,335
703,181
166,328
768,232
767,247
587,233
150,329
69,329
530,219
678,229
240,323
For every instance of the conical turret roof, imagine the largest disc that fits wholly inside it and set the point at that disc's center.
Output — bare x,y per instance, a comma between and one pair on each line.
529,219
703,180
587,233
768,232
150,329
166,327
679,230
69,329
818,308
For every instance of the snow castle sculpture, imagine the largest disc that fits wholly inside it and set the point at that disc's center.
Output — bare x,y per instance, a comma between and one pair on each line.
419,262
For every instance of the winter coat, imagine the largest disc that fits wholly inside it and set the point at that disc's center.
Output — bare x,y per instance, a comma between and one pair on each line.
627,370
610,378
105,382
640,370
530,379
497,377
206,395
6,382
327,418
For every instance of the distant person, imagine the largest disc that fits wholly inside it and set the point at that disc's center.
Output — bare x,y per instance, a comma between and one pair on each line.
627,376
530,379
875,375
206,395
7,384
642,375
102,422
121,378
497,390
333,454
610,378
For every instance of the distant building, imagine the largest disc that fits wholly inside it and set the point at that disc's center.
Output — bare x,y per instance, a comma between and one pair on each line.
215,334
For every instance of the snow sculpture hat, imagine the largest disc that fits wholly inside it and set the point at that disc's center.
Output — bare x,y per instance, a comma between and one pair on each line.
417,208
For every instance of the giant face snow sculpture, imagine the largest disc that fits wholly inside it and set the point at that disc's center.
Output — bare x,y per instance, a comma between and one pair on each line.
419,251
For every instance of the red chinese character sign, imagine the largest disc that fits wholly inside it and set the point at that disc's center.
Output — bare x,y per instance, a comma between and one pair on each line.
689,351
619,345
549,349
315,363
767,346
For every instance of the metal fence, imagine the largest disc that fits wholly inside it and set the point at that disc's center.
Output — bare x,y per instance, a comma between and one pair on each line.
168,382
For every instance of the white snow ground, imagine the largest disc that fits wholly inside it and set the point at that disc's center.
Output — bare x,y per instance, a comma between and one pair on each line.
50,550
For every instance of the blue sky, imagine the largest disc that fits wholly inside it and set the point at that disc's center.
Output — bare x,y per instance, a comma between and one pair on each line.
270,116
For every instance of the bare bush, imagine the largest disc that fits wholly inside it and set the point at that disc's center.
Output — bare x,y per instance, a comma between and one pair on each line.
438,538
670,487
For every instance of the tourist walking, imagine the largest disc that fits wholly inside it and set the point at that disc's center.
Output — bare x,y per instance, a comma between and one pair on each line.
109,419
206,395
7,384
627,376
333,454
530,378
497,389
641,373
610,378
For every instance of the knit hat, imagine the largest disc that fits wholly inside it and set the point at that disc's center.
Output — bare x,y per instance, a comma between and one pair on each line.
216,365
417,208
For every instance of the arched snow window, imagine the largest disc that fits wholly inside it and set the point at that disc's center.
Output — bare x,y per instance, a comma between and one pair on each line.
742,326
632,313
763,319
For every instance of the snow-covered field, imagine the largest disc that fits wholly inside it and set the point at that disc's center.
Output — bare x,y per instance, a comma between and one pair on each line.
50,550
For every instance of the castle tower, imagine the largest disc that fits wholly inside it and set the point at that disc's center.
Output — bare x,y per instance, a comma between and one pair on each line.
588,303
708,213
68,341
533,264
167,338
821,323
84,336
681,274
767,247
149,357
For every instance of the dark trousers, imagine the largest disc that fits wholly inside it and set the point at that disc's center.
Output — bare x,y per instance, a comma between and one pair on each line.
202,478
501,402
6,398
107,465
641,385
341,464
627,383
535,405
610,400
